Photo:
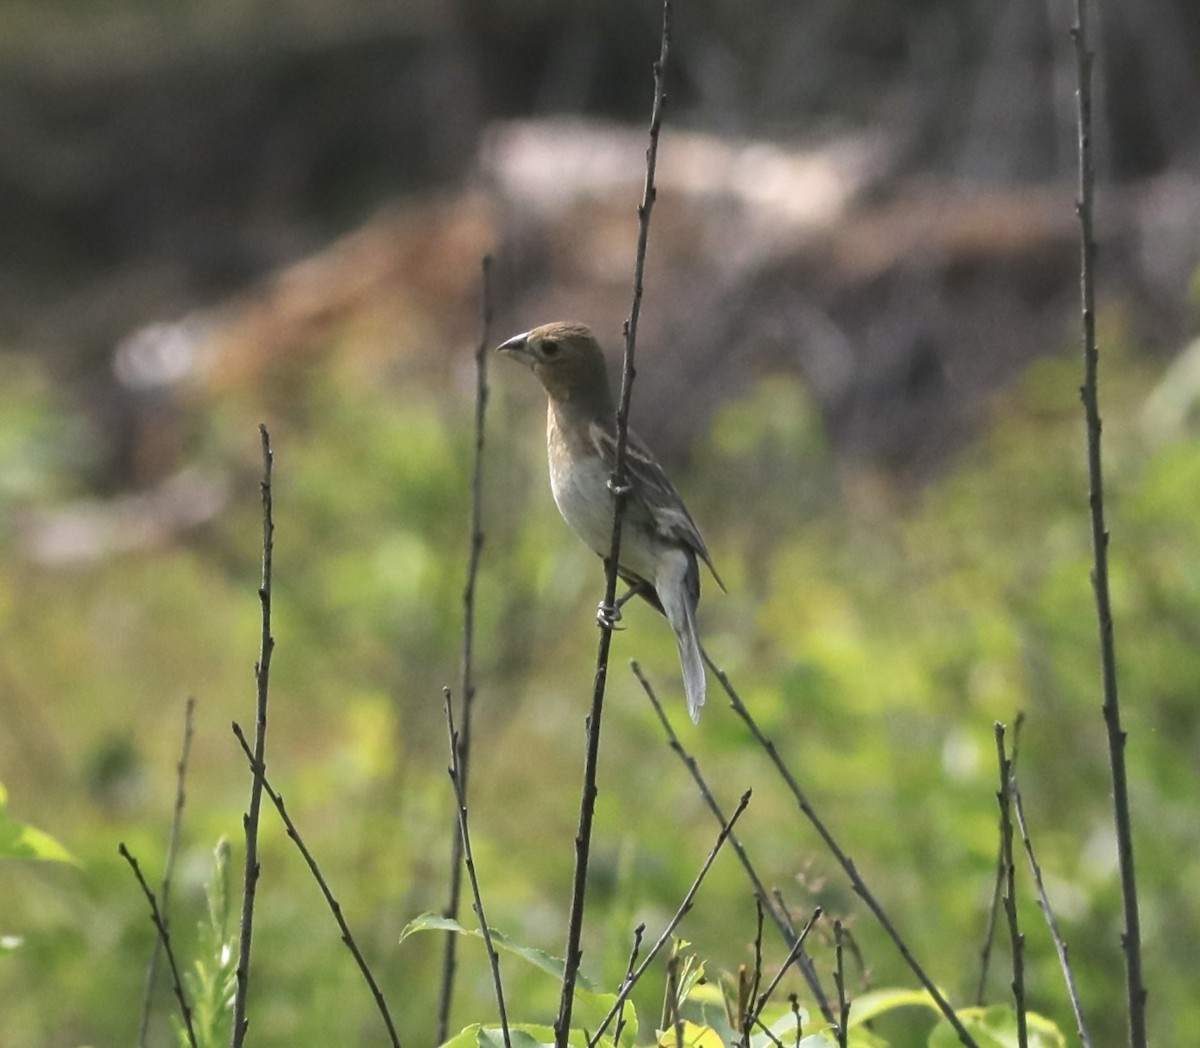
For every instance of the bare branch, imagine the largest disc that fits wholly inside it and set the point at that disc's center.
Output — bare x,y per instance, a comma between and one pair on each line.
164,890
164,936
1016,939
772,905
856,881
467,686
334,906
262,674
638,932
583,836
1131,940
1060,944
464,831
839,978
631,980
788,961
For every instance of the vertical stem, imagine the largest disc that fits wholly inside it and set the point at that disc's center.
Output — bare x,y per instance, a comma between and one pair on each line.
1089,392
469,859
587,807
262,674
467,686
1016,939
168,867
839,979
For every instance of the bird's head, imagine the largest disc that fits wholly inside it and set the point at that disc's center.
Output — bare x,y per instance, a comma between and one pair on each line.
567,360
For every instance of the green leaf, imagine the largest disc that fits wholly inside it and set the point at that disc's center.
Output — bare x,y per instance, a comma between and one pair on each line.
21,841
518,1037
694,1036
548,963
996,1027
870,1005
521,1035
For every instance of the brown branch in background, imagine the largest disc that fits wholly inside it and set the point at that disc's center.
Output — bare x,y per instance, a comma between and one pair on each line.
684,907
1016,939
847,865
164,891
262,675
334,906
164,936
776,910
587,806
1131,940
1060,944
467,680
839,979
460,796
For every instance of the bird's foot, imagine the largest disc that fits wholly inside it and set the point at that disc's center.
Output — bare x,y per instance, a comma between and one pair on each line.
608,615
619,489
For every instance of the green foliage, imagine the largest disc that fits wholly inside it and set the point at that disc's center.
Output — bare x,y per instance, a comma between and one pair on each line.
19,840
211,982
876,635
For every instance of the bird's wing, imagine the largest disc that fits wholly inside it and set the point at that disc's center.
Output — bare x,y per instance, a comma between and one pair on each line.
652,488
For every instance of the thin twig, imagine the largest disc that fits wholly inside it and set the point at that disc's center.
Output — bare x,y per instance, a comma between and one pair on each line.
632,980
762,998
785,918
164,891
794,1001
638,932
989,935
1016,939
587,806
469,859
771,1036
467,685
334,906
755,977
1131,940
773,906
262,675
673,1018
164,936
839,978
989,932
1060,944
847,865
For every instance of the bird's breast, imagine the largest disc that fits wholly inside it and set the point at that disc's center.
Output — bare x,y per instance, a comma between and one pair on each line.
579,481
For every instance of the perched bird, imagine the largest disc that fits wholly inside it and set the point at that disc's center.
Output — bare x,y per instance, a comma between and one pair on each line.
660,544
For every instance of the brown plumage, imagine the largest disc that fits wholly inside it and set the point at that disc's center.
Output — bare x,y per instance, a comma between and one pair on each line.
660,544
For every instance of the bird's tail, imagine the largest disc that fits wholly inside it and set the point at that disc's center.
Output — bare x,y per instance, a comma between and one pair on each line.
694,683
679,591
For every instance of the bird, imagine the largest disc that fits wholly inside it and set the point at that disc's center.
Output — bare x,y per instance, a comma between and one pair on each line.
661,546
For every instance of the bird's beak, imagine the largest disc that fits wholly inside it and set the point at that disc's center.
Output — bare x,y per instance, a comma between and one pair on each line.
518,347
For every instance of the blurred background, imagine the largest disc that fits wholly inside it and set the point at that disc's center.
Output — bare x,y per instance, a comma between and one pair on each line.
857,357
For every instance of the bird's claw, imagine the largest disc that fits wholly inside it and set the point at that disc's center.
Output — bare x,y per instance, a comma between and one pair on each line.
618,489
608,615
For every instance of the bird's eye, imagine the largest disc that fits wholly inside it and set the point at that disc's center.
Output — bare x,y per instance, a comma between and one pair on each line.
549,348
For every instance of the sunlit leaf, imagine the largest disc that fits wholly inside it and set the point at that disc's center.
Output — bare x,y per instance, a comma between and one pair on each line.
548,963
19,840
996,1027
693,1036
874,1003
